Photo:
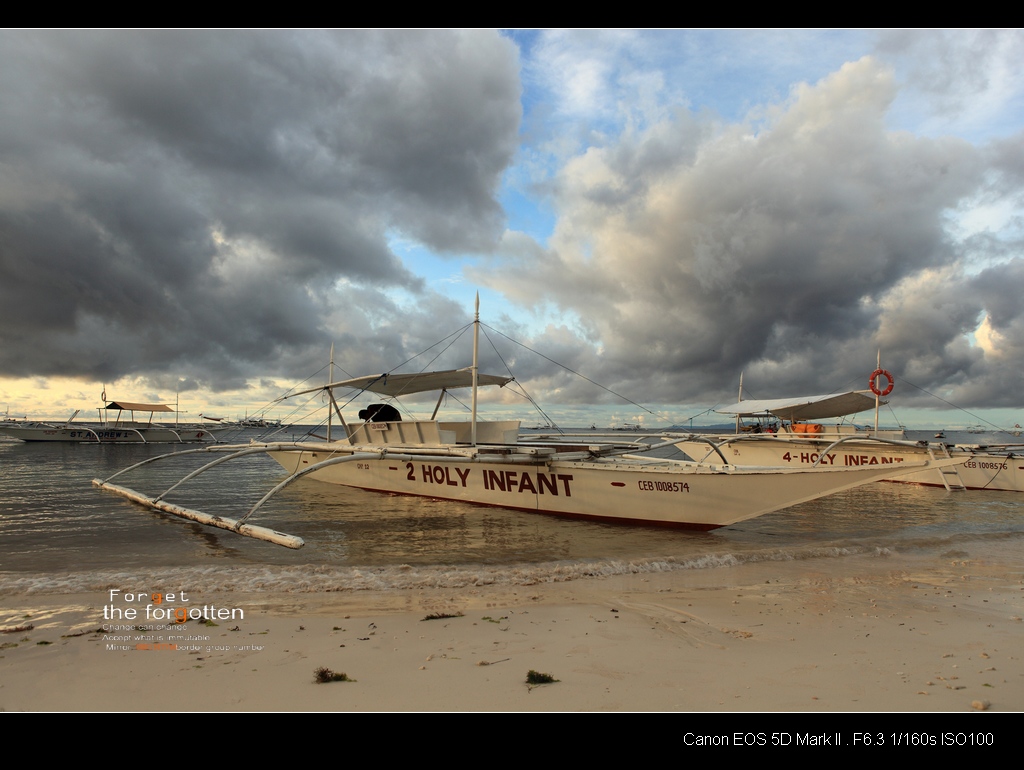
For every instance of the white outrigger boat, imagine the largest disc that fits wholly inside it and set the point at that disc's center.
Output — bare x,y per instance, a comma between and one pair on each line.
486,463
788,432
107,430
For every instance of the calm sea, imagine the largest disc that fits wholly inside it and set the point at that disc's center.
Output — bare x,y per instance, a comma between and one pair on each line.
60,534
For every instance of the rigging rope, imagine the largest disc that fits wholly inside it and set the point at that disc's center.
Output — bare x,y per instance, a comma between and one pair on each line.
522,390
571,371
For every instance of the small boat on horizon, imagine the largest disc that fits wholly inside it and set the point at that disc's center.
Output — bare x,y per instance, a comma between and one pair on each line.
258,422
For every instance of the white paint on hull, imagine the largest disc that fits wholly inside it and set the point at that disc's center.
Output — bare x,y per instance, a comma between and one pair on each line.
652,492
976,469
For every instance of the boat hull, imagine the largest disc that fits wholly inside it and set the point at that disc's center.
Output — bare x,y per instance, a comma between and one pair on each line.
664,494
977,469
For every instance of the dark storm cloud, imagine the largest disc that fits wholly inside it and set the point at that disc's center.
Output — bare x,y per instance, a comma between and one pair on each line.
197,201
791,251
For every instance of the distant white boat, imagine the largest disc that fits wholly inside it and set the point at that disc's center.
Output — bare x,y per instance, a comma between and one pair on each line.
112,430
258,422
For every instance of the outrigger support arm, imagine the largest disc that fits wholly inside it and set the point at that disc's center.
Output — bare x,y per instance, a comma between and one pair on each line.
237,526
159,457
218,461
300,473
716,447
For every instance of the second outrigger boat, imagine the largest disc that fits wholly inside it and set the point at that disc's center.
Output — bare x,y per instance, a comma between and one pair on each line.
487,463
790,432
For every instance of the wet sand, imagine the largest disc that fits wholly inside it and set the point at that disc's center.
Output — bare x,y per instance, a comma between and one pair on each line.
863,634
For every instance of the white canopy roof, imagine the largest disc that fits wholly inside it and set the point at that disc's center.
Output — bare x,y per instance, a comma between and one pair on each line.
805,407
130,406
404,384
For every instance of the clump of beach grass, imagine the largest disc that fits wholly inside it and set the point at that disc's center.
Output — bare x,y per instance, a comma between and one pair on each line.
442,615
535,677
323,675
17,629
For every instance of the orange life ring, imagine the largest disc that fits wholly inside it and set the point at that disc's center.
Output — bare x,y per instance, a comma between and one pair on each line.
874,388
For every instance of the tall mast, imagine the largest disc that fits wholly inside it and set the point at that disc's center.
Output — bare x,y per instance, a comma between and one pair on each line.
330,379
738,399
476,357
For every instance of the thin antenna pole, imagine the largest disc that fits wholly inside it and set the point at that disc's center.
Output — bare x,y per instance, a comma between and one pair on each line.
878,365
330,379
476,360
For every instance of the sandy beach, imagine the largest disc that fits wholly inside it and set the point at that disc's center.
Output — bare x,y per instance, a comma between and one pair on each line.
883,634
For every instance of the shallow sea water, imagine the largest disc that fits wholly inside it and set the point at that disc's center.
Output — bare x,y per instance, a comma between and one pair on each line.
59,534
